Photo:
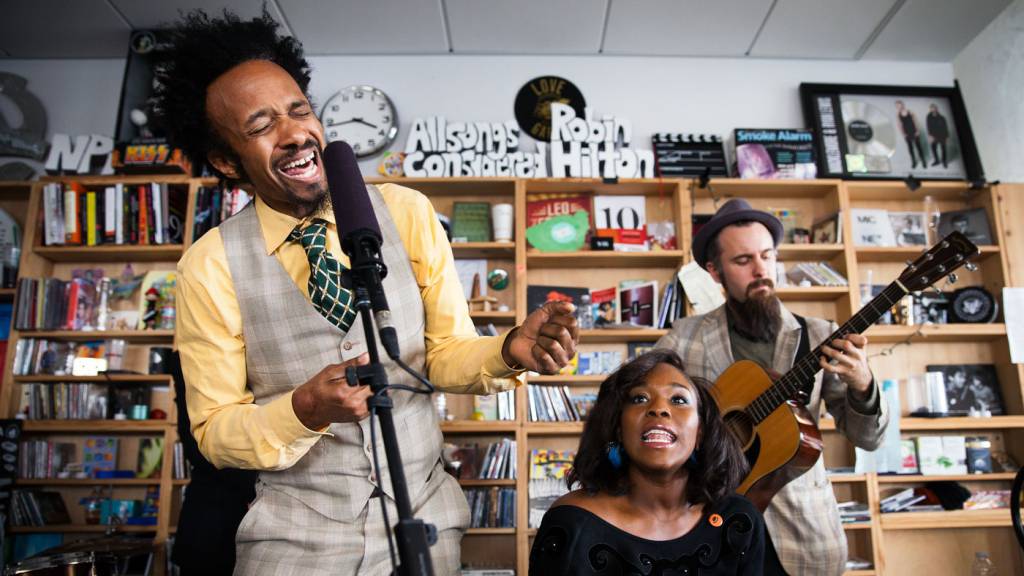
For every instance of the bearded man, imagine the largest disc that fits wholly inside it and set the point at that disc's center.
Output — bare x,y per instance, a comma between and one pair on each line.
738,247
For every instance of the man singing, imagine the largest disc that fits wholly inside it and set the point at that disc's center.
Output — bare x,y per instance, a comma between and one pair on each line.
265,333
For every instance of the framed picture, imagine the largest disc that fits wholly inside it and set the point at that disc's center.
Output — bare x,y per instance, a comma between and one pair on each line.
891,132
972,222
970,386
871,227
908,228
827,230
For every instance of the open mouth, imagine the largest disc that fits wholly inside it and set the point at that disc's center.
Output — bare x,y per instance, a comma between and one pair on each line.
304,168
658,437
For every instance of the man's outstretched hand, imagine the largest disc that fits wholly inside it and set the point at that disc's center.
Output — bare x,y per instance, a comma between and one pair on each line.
546,341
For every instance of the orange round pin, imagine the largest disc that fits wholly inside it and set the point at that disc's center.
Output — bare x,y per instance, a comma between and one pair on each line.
715,520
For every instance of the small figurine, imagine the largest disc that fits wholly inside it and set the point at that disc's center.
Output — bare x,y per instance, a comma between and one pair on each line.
150,317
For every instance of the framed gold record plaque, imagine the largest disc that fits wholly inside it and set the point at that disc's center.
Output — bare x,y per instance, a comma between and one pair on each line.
891,132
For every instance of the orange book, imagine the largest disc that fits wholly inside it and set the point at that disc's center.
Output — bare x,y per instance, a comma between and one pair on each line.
73,194
143,217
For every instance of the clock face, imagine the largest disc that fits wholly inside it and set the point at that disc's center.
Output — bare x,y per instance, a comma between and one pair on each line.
362,116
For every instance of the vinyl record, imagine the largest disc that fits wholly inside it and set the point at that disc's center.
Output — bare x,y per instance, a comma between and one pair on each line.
533,104
868,130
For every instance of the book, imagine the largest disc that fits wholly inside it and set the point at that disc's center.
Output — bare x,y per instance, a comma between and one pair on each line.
151,457
775,153
624,219
471,222
99,453
871,227
638,304
605,306
538,295
560,223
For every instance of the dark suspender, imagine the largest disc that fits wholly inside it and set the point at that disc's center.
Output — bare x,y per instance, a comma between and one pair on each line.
803,349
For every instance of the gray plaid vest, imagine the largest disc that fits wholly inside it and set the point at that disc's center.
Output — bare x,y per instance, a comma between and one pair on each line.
287,342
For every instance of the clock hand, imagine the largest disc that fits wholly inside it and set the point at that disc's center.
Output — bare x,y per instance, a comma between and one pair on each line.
366,123
333,123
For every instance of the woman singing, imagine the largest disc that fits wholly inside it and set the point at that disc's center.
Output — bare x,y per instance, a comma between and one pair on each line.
657,472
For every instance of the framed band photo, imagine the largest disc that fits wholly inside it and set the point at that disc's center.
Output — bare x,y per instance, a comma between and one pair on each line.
972,222
891,132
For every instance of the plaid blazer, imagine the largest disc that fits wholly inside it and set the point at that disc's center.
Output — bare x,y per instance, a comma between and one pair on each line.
802,519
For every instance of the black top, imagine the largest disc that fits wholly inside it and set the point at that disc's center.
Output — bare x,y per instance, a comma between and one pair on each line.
937,126
572,540
214,503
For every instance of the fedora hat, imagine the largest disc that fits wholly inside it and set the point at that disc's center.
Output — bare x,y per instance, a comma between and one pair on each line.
733,211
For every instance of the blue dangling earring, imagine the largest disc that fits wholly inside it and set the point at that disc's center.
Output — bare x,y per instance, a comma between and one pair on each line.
694,461
614,451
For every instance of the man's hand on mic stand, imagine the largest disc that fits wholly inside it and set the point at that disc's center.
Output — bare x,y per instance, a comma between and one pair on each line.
328,397
546,341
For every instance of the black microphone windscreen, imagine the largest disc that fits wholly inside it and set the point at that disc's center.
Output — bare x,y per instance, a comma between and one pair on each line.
352,208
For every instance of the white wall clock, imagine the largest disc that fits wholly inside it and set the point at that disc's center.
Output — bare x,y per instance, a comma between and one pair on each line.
362,116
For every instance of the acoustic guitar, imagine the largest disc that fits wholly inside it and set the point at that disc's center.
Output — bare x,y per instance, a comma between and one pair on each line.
779,437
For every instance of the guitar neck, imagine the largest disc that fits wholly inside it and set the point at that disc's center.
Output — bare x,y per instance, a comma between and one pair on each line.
807,367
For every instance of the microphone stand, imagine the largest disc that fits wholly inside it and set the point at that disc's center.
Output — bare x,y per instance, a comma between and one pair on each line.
413,535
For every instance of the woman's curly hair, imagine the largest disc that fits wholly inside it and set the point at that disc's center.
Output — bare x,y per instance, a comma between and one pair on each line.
720,463
199,50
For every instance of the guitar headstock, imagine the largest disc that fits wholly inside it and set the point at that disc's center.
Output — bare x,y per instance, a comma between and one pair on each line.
947,255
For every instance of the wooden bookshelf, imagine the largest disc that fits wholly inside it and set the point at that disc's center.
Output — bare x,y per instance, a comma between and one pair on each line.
937,333
909,253
116,378
909,424
478,483
913,478
946,519
605,259
616,336
570,380
814,293
96,426
161,253
89,482
809,252
675,200
80,528
484,250
479,426
132,336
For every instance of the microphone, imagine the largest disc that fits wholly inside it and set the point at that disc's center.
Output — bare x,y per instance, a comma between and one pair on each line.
360,234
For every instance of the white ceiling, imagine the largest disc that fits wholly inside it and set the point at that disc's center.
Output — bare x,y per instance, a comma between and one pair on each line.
914,30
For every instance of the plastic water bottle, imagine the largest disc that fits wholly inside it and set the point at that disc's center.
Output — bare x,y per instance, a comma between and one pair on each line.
585,314
983,565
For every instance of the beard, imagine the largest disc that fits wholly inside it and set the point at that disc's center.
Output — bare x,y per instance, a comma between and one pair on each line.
760,316
320,204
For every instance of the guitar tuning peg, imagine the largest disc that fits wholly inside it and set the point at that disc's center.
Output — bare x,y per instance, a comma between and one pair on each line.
971,267
952,278
937,291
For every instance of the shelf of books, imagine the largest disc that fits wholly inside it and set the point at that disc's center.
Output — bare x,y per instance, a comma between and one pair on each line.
946,519
86,374
622,264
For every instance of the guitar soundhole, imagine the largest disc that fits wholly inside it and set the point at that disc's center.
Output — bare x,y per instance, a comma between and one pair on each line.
741,426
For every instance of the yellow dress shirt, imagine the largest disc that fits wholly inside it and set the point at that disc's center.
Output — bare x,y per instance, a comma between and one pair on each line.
234,432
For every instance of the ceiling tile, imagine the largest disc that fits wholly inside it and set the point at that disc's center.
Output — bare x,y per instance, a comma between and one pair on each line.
683,27
61,29
819,28
526,27
369,27
933,30
160,14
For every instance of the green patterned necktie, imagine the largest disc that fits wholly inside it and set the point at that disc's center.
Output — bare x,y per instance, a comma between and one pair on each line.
325,291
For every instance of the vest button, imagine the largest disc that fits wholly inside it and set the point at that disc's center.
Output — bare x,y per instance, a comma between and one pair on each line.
347,345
